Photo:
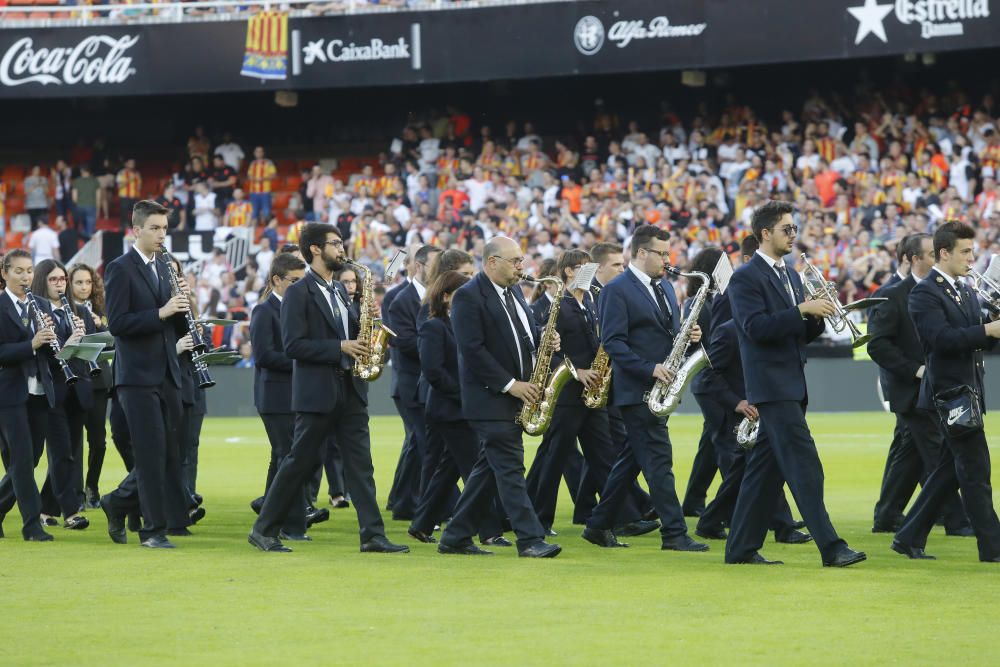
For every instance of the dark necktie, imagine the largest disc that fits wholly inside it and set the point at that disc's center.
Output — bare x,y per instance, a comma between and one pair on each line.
152,269
661,300
345,361
23,310
523,341
783,277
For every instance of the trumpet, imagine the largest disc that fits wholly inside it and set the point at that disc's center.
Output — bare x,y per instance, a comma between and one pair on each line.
40,324
987,289
818,288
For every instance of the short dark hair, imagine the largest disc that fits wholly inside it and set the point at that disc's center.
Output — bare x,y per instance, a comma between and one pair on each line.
288,248
601,251
39,282
421,256
912,245
948,234
314,234
749,245
571,258
901,248
449,260
446,283
145,208
767,216
14,254
645,234
704,262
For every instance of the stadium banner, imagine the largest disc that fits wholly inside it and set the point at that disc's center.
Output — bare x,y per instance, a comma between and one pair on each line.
517,41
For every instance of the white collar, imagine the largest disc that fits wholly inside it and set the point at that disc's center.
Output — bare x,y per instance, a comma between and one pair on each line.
502,291
549,297
421,289
641,275
145,260
901,276
13,297
277,296
767,258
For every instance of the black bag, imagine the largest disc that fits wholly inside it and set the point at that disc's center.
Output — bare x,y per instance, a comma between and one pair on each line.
959,410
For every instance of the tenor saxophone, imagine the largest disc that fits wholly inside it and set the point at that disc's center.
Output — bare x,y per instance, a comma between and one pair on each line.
664,397
597,398
372,331
536,417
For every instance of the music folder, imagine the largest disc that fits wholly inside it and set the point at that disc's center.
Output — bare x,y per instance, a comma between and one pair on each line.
219,358
217,321
103,337
86,351
861,304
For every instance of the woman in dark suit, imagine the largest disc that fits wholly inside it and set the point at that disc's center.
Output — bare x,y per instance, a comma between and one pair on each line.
443,414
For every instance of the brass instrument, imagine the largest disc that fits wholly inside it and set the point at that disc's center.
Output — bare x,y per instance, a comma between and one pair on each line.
536,417
372,330
664,397
92,366
746,433
200,347
40,324
986,288
818,288
597,398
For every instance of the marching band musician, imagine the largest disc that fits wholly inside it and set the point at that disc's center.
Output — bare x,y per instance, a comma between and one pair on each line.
496,340
319,332
774,325
949,324
638,323
26,394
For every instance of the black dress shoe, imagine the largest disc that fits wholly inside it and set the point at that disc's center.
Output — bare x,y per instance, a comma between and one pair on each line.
265,543
757,559
256,504
792,537
540,550
682,543
711,532
179,532
402,516
196,515
293,537
381,545
798,525
882,528
602,538
134,522
846,556
157,542
314,516
340,502
92,499
995,559
469,549
116,522
48,520
498,541
964,531
38,536
693,512
650,515
421,536
77,522
637,528
916,553
198,499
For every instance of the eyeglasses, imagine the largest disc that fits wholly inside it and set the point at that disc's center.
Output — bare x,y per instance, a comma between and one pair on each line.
515,261
336,244
662,255
57,279
788,230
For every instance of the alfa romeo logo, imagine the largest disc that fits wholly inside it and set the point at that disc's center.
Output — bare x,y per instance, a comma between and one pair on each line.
588,35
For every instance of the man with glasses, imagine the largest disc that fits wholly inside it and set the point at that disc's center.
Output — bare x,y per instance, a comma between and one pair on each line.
639,319
496,340
773,324
319,332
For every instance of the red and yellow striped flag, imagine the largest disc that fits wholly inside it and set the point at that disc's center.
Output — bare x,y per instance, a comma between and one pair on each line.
266,55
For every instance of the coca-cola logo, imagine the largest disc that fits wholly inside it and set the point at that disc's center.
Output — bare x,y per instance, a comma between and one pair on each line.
96,59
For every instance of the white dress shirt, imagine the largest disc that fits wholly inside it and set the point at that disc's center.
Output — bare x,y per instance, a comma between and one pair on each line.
648,282
525,320
773,263
336,305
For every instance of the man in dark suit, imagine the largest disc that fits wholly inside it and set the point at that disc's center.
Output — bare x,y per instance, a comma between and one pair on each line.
639,319
406,373
896,348
948,319
319,332
496,341
774,325
272,382
26,394
146,322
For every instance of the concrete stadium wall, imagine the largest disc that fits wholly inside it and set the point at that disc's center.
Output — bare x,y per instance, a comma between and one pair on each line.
835,385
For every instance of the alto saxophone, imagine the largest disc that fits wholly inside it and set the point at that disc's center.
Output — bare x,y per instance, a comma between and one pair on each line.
536,417
597,398
664,397
372,331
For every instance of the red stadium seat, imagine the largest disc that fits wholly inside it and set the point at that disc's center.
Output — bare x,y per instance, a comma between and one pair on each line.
14,206
279,200
293,182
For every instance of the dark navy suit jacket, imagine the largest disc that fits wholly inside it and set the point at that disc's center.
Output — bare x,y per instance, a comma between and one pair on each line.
578,341
772,332
18,361
406,364
723,380
705,322
387,300
272,373
540,310
953,337
145,345
439,366
487,350
895,347
635,335
311,341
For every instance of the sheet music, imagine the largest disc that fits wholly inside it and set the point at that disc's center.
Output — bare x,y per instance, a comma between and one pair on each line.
103,337
722,272
584,276
395,264
85,351
993,270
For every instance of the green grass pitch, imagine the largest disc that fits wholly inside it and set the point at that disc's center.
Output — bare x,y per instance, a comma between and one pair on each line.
216,601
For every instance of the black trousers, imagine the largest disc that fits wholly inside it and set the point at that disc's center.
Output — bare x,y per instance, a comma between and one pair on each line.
120,436
573,467
638,504
280,429
705,463
904,469
965,465
787,453
20,427
500,462
457,459
348,421
405,491
647,450
155,485
59,493
190,442
96,423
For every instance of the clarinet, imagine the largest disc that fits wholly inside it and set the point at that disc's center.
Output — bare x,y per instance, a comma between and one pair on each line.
68,373
200,347
92,366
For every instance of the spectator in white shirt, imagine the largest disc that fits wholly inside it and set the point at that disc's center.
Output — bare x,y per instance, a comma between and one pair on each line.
264,256
478,189
206,217
231,152
43,243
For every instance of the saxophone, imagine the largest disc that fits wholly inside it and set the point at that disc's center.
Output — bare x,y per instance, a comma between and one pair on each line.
664,397
535,417
597,398
372,331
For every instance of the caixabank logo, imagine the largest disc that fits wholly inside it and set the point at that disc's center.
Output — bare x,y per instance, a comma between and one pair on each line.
932,18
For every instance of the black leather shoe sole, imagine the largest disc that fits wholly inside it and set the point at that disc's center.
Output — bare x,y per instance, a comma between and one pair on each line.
319,516
796,537
690,545
719,534
636,528
468,550
910,552
116,524
274,547
421,536
541,551
38,537
856,558
375,548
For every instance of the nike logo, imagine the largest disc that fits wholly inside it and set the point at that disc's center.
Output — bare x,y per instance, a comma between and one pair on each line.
956,414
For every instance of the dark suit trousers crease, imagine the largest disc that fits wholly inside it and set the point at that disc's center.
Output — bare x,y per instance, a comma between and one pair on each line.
280,429
349,423
190,444
458,458
573,468
965,465
97,438
787,452
903,471
18,485
405,492
705,463
925,430
501,460
59,495
647,449
120,435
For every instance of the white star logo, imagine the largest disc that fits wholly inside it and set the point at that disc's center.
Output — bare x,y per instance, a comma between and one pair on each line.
313,52
870,18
